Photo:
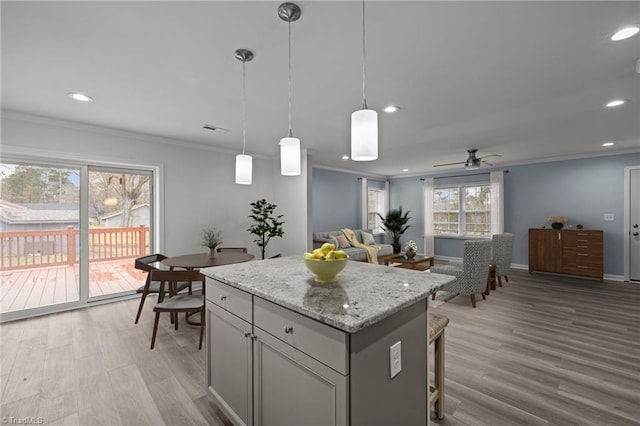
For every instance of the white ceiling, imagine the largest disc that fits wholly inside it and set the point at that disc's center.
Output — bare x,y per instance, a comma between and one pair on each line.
526,80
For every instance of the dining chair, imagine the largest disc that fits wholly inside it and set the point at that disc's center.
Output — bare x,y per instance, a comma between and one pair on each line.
471,275
502,252
232,249
146,263
176,303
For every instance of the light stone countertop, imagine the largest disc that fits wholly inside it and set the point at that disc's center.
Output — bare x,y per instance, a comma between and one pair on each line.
363,295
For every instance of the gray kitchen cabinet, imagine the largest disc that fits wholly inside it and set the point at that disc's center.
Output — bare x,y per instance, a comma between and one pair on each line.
229,356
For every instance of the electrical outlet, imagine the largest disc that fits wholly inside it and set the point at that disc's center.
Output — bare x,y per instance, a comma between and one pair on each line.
395,359
608,217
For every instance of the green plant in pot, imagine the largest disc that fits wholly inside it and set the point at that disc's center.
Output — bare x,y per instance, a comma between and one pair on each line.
267,225
211,238
396,223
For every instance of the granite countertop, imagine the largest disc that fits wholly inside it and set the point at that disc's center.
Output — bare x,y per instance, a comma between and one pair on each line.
363,295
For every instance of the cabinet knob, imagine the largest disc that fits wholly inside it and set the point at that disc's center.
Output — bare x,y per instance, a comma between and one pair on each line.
635,234
288,330
223,298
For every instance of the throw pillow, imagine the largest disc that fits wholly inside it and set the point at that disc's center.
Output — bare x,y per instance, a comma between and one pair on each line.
342,241
367,238
332,239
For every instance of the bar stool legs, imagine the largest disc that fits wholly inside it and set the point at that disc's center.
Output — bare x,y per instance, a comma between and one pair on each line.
437,324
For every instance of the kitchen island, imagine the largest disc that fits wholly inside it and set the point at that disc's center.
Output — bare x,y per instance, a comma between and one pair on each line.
284,350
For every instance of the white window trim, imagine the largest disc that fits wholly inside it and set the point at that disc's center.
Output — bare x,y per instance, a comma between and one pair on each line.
461,216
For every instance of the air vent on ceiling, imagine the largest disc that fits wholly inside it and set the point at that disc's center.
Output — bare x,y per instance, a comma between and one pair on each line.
215,128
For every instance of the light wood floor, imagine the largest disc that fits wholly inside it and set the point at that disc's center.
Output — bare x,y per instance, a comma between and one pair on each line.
541,350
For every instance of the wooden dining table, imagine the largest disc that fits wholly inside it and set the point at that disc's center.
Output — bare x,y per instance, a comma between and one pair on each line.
204,260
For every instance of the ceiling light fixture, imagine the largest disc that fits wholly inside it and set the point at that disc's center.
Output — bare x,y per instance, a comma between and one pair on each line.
625,33
345,157
289,146
364,122
608,144
80,97
615,103
244,163
405,170
391,108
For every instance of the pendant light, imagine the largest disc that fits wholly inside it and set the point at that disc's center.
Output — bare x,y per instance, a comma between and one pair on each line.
244,163
289,146
364,122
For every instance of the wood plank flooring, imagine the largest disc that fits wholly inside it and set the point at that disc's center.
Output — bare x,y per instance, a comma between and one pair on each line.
543,350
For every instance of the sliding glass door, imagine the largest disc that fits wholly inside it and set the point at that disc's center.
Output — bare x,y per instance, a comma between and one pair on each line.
39,227
119,229
70,233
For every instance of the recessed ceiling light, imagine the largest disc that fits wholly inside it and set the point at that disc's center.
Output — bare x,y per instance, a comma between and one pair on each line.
80,97
608,144
615,102
345,157
405,170
625,33
391,108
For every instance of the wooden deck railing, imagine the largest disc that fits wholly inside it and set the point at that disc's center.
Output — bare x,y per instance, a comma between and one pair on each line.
34,249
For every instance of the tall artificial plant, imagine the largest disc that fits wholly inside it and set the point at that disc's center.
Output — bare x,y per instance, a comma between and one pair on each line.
396,223
267,225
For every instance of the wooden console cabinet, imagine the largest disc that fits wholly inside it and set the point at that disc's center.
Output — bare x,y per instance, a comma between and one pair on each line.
572,252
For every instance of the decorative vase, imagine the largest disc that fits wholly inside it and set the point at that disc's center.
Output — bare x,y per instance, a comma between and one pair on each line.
397,248
557,225
410,254
212,251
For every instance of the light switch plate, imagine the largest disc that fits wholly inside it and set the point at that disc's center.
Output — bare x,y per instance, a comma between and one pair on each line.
395,359
608,217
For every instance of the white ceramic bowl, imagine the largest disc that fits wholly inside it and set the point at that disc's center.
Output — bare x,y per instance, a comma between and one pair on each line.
326,271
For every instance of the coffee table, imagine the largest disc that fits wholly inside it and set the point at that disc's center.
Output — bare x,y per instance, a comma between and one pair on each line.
405,262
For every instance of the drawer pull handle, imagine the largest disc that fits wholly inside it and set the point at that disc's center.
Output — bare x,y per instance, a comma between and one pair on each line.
583,267
584,241
288,330
583,246
582,254
223,298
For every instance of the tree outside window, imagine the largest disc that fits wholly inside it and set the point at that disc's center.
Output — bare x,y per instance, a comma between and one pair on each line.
462,210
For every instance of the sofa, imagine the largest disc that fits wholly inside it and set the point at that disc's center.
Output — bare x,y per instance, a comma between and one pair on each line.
354,253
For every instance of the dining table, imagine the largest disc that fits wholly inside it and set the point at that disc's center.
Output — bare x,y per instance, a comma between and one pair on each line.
205,260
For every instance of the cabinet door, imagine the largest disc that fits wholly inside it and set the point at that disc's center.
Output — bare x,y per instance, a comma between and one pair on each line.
545,250
293,389
230,363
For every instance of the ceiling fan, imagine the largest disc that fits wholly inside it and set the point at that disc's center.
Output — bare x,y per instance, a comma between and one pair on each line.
472,161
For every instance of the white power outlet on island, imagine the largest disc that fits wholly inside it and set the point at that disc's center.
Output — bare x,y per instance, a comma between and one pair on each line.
395,359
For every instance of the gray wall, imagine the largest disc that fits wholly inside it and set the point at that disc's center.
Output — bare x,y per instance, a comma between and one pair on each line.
335,200
582,190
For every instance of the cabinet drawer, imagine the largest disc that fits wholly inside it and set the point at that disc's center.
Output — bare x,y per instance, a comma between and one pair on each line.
576,238
585,270
322,342
236,301
581,256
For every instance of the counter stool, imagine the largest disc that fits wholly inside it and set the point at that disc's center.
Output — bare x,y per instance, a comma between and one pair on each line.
437,324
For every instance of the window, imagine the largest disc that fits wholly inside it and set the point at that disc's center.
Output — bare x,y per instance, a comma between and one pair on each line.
463,211
375,204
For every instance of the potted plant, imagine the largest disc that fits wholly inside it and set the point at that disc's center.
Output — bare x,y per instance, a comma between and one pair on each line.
396,223
211,238
267,224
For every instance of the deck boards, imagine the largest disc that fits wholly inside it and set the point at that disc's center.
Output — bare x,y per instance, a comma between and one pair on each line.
33,287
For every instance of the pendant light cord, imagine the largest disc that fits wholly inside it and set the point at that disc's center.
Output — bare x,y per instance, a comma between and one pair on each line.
244,109
364,62
290,131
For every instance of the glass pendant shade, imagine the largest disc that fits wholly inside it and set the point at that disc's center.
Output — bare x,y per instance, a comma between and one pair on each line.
290,156
364,135
244,165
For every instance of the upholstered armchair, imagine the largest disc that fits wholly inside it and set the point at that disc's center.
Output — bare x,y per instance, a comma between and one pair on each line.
502,251
471,275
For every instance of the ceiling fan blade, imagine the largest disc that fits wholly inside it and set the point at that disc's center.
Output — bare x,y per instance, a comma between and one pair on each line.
487,163
487,156
449,164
